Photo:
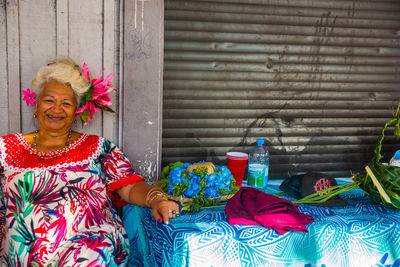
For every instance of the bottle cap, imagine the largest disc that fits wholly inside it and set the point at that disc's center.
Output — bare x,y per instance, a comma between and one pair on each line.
260,141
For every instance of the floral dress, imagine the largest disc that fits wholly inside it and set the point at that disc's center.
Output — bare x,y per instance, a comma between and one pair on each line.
56,210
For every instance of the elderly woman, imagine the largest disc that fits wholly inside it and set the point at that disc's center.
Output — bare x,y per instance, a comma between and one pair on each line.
58,184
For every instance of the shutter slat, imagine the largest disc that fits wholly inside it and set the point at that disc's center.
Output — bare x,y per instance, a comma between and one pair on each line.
281,21
288,132
269,67
265,122
287,76
217,94
345,51
179,28
284,86
282,39
339,9
269,59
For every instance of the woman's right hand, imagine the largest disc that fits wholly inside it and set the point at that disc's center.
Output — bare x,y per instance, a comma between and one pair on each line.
164,209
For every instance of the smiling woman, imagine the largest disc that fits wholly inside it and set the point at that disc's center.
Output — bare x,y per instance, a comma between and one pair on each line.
59,187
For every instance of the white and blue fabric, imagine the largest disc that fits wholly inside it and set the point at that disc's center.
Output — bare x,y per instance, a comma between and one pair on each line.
363,233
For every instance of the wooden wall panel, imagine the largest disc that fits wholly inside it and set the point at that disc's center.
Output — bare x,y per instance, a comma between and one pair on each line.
62,27
13,67
3,71
142,81
86,44
37,47
110,63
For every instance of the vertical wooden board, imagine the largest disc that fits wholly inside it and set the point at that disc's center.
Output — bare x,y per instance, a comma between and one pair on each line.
86,45
38,46
110,29
142,105
3,71
13,68
62,27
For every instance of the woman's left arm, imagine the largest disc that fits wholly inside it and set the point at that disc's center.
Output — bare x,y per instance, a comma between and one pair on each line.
145,195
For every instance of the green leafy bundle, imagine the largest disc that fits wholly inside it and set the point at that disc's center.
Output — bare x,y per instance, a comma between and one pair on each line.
381,182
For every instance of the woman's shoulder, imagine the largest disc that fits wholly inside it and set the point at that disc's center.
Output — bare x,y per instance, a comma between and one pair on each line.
12,142
11,137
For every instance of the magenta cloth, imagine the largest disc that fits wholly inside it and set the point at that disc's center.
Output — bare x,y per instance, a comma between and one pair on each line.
251,206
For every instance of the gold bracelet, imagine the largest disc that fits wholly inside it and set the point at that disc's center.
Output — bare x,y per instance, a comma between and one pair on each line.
158,195
152,194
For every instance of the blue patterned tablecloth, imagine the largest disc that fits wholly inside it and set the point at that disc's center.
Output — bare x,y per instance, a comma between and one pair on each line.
362,233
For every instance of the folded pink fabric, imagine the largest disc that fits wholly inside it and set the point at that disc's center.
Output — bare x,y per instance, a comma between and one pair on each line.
251,206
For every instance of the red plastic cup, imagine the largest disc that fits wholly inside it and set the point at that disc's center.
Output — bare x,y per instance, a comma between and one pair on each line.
237,162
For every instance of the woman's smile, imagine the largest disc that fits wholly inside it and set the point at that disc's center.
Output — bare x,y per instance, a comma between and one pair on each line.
56,118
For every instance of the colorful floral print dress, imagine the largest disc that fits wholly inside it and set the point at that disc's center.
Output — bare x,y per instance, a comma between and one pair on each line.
57,211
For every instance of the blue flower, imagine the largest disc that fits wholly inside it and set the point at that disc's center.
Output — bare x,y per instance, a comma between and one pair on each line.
193,185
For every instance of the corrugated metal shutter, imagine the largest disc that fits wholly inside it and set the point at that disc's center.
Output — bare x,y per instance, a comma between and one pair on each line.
316,79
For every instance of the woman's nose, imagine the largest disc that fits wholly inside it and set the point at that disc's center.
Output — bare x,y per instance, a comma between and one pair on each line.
57,107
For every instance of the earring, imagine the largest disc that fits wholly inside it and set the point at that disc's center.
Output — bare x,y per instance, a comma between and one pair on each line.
34,115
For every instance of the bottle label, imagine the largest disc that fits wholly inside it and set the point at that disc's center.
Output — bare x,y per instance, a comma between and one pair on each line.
258,175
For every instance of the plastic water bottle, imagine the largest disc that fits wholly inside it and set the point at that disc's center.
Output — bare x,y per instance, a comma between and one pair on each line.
258,166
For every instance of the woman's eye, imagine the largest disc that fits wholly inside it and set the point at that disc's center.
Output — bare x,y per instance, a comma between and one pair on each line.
67,104
48,101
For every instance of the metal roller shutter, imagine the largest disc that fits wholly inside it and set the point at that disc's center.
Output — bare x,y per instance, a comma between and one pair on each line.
317,79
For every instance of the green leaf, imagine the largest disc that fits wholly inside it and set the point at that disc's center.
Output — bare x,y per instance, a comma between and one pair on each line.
200,171
85,115
223,191
173,165
202,183
105,108
397,129
180,188
163,183
165,172
233,187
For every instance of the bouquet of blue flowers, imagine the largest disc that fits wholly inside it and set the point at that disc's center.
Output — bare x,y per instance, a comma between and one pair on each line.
197,188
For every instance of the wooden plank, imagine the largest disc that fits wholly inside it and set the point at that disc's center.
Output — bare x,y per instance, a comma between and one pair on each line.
3,71
86,45
38,46
142,106
121,68
110,128
14,112
62,27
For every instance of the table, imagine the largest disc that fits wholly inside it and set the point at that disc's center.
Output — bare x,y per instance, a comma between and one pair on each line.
363,233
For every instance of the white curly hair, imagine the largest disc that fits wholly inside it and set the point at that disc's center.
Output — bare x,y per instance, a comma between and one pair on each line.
62,70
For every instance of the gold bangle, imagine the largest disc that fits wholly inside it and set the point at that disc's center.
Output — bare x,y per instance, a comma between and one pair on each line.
153,194
150,192
158,195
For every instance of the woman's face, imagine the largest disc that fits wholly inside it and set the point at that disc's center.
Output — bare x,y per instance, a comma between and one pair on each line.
56,107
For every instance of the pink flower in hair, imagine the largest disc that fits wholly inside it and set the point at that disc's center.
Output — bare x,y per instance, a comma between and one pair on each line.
96,98
29,97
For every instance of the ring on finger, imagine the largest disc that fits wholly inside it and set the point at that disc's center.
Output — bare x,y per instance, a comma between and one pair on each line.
174,212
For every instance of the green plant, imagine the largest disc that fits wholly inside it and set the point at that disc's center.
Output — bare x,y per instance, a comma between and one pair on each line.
381,182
